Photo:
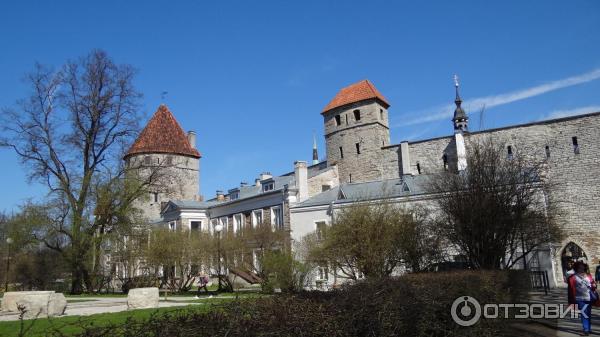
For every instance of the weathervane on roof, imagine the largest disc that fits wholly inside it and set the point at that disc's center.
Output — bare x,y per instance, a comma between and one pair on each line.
456,80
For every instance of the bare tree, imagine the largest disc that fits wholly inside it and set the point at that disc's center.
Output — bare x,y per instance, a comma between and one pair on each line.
70,133
496,211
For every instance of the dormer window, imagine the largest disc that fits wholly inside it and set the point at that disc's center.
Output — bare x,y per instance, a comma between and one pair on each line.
268,186
338,120
357,115
234,195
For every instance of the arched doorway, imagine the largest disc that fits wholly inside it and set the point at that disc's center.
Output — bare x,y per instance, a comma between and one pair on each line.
570,255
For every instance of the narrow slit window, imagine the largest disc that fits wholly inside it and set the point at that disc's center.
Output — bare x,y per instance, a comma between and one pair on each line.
509,152
357,115
338,120
357,148
350,177
445,160
575,145
418,168
341,153
547,151
381,114
346,119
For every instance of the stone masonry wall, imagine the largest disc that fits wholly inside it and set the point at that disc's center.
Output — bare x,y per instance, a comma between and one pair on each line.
575,178
178,179
371,132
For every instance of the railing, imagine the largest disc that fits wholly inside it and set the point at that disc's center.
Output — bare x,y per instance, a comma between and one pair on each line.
539,280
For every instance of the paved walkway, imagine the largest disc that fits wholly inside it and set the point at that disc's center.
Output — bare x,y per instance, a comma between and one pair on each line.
98,305
564,327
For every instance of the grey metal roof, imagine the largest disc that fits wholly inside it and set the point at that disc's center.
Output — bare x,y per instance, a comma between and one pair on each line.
392,188
193,204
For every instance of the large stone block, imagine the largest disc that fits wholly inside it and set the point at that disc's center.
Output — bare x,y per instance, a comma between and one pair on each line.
57,304
139,298
11,299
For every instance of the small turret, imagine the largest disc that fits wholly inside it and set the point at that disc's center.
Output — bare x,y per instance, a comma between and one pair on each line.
315,154
460,118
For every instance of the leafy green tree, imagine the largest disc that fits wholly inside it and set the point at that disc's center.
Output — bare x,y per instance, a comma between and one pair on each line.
372,239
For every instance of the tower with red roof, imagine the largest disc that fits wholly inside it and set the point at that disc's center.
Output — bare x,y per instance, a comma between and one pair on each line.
165,151
356,128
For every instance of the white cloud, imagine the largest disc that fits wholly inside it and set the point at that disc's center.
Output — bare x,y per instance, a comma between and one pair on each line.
445,111
571,112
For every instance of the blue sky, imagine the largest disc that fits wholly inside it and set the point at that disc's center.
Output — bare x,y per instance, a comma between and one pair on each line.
251,77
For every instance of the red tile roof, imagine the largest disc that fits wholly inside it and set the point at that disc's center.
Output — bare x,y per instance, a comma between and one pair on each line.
356,92
163,134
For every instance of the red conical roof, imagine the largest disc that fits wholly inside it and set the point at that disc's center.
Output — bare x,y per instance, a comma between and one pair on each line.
163,134
356,92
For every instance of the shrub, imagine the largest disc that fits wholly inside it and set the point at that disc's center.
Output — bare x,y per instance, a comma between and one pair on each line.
412,305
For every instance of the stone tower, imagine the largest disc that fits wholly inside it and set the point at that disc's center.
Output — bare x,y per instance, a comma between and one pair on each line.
166,152
356,128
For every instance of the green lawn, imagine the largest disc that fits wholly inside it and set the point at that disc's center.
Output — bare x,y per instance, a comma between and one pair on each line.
76,300
72,324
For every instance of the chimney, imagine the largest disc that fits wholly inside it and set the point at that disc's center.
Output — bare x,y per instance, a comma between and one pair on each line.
192,139
220,196
405,158
301,177
265,175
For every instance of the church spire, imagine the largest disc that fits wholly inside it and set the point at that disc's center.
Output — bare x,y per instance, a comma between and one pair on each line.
460,118
315,157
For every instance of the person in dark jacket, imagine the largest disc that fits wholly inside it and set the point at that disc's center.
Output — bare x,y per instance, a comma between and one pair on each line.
581,290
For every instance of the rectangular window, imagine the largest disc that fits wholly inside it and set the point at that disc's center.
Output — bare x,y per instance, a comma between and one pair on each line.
147,160
224,222
509,152
575,145
257,217
357,148
338,120
357,115
325,188
234,195
268,186
320,229
276,218
195,225
238,223
547,151
155,196
341,153
323,272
